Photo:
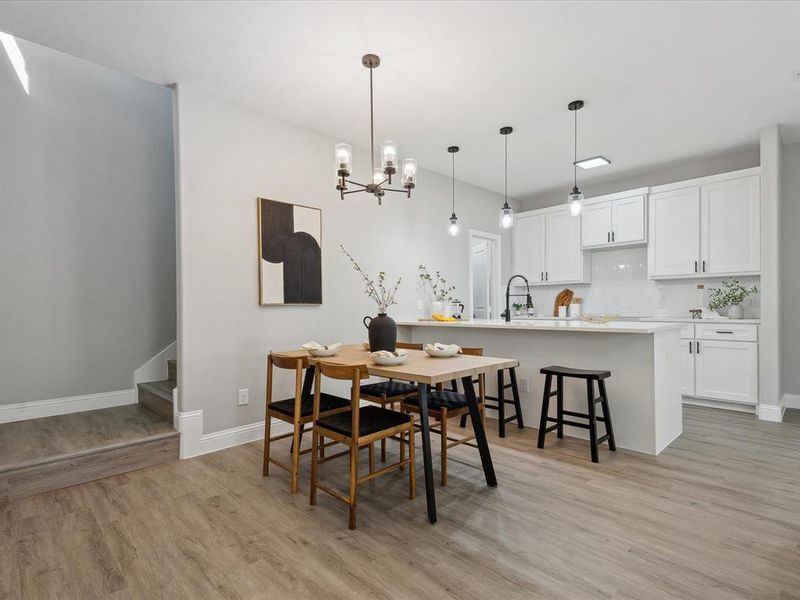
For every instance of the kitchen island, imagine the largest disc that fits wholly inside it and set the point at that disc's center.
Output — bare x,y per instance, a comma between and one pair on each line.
644,359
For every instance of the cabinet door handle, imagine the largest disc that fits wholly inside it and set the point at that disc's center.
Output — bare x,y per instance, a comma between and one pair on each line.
704,266
690,347
698,347
730,332
546,276
541,276
608,236
695,266
613,236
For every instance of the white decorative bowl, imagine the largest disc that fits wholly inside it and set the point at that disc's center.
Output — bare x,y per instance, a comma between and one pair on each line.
601,319
321,352
389,361
436,353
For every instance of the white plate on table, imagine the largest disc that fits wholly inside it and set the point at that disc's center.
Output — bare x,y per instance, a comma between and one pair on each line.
322,352
436,353
389,361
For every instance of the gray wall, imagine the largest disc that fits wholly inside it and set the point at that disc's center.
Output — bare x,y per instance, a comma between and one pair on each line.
87,227
790,252
679,171
228,156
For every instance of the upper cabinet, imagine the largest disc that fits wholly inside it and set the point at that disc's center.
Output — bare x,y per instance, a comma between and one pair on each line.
614,221
709,228
547,247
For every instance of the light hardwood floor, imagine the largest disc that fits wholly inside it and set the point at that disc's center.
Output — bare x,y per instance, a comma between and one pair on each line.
716,516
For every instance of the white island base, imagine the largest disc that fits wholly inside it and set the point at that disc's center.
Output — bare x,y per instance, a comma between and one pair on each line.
644,359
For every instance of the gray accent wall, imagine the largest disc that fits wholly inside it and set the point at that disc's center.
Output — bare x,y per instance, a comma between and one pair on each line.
790,276
87,227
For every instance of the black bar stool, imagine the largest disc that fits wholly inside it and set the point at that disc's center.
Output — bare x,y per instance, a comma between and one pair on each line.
590,376
501,401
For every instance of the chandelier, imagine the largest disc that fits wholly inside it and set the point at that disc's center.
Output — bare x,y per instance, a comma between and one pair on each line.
382,176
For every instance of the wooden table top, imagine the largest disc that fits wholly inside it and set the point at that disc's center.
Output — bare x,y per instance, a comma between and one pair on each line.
418,367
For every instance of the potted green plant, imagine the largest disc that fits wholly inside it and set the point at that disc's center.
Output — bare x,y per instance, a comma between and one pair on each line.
730,294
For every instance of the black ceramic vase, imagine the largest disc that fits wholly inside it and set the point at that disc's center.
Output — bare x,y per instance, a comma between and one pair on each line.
382,332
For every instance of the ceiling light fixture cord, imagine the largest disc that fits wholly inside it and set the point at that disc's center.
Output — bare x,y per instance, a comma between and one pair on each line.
505,190
371,129
454,182
575,160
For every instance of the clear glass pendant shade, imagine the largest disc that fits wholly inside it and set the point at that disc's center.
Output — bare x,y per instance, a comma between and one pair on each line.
389,157
575,202
409,173
344,160
506,217
452,228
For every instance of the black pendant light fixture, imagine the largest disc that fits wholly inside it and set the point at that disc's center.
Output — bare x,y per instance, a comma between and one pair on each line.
379,177
506,214
575,199
452,228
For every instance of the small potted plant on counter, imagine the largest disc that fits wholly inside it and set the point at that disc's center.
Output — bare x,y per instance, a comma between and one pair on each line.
442,293
382,329
730,294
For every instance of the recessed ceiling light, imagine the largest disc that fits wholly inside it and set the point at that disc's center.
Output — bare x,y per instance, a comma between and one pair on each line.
591,163
16,58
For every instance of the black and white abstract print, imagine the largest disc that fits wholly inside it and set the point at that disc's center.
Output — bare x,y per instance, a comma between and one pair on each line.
290,254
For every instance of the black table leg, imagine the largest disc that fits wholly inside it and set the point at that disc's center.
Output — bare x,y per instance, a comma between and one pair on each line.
430,493
480,433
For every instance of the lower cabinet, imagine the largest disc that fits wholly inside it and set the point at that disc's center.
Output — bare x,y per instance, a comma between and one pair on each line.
726,371
687,382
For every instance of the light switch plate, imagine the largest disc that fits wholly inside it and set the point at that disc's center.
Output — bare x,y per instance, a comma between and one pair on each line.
524,385
244,397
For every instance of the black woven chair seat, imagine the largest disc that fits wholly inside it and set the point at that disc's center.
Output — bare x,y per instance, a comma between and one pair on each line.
578,373
371,419
390,389
326,402
441,399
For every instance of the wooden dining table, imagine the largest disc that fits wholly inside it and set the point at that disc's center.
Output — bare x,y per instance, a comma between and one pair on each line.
425,370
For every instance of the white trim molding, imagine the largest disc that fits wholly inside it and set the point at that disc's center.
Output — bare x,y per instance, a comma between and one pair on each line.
791,401
195,443
36,409
771,412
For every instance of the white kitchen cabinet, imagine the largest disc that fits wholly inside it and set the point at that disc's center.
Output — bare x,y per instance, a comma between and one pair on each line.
687,380
726,371
674,245
730,227
596,225
617,221
708,226
529,246
563,254
547,247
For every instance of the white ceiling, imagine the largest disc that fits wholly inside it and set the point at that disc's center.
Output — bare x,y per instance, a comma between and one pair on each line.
662,81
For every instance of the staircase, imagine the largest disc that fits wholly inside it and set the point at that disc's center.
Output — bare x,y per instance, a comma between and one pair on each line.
42,455
157,396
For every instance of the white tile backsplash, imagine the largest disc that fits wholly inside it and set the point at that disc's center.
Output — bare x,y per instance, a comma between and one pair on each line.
620,285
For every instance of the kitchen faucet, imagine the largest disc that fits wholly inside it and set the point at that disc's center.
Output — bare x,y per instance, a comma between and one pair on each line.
507,313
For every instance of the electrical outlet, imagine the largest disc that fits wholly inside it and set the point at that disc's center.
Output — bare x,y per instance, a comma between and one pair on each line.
524,385
244,397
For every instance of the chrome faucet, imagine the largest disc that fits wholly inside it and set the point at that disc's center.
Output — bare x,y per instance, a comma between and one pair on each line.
507,313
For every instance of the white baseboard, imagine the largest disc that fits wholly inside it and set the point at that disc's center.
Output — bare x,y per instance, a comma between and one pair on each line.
771,412
155,369
194,442
37,409
791,401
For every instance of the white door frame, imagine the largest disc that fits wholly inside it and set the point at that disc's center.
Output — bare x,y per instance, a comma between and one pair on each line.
494,291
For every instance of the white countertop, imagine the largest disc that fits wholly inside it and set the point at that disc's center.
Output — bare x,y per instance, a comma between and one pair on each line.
542,325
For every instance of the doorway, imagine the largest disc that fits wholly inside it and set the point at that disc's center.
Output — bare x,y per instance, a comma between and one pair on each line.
484,275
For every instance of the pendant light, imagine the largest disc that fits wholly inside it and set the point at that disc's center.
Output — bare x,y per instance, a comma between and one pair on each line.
381,177
506,213
575,199
452,228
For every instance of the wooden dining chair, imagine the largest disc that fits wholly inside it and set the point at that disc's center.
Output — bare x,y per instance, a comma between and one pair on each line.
298,411
444,404
391,392
358,428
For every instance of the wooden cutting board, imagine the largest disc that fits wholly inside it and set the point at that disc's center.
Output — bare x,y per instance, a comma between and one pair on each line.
564,298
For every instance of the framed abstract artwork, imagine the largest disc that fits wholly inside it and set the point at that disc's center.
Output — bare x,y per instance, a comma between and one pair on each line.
289,253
